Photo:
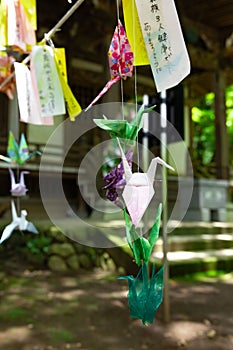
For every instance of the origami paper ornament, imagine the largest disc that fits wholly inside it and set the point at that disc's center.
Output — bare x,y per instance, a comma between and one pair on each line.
139,189
115,181
122,128
145,296
18,222
18,189
141,246
18,153
120,59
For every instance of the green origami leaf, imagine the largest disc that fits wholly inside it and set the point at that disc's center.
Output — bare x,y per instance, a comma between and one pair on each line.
142,247
154,233
122,128
145,296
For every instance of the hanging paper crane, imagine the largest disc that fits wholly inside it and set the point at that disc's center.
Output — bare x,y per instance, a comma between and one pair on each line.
139,189
120,59
18,153
18,222
18,189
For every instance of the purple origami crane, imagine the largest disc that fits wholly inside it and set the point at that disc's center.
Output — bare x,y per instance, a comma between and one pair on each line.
18,189
115,181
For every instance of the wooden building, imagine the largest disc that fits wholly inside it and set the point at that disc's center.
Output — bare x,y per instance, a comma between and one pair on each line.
208,32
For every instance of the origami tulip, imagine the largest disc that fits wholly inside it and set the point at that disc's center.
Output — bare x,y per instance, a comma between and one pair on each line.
139,189
141,246
19,222
145,296
18,189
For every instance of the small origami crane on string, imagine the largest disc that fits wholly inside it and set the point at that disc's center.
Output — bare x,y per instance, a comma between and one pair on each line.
122,128
18,153
141,246
120,59
18,222
145,296
139,189
18,189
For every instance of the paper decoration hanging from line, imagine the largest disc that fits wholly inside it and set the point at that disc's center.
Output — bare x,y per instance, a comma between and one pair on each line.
18,222
164,40
18,189
72,105
27,99
17,30
120,60
47,81
134,33
139,189
30,10
18,153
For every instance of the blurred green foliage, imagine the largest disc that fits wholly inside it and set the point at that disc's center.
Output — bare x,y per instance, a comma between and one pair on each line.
204,133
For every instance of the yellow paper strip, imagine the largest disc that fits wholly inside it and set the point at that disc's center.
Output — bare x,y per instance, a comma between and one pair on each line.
3,23
134,33
72,105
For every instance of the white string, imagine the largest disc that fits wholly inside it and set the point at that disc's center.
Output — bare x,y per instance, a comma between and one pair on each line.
135,83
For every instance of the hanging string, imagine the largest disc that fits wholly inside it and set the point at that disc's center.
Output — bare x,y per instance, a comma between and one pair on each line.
121,80
49,35
135,83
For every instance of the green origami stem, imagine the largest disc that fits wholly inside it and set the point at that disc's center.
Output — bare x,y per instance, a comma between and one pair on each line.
142,247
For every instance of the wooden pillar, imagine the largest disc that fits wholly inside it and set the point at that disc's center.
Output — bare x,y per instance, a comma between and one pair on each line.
221,140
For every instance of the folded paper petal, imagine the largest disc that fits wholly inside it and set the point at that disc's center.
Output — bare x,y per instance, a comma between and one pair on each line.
115,181
145,296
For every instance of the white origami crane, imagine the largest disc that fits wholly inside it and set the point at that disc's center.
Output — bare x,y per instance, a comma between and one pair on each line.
139,189
19,222
18,189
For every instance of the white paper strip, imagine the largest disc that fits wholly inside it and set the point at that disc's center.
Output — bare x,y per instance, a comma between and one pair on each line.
164,41
28,107
48,83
